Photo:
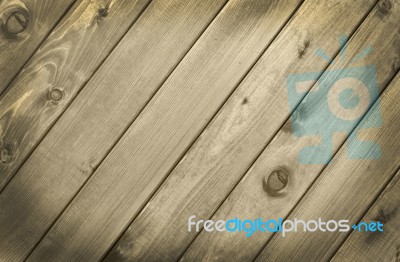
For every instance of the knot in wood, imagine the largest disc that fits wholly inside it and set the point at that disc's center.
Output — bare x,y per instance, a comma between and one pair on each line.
303,49
56,94
275,183
385,6
5,154
103,12
381,216
16,22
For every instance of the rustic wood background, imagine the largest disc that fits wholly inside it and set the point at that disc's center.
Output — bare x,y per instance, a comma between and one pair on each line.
119,119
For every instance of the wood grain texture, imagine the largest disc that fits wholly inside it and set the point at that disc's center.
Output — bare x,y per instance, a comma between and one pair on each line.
233,139
361,246
251,199
24,24
98,116
163,131
344,179
65,62
56,73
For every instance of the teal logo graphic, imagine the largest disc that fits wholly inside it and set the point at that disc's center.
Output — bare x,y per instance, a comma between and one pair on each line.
336,104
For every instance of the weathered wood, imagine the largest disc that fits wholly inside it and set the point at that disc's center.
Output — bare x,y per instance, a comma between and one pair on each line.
24,24
161,133
231,142
54,76
346,188
250,200
57,72
361,246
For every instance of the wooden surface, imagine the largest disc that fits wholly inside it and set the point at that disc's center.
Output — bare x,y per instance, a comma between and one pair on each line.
131,116
70,152
337,194
24,24
251,199
165,128
57,72
52,78
374,247
233,139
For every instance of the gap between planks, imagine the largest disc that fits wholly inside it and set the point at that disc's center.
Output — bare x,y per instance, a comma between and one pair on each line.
126,248
120,136
12,98
387,69
261,44
172,56
320,188
387,199
34,117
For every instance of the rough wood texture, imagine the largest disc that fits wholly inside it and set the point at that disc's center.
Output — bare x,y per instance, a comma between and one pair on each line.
116,93
250,199
23,26
188,115
57,72
345,179
163,131
234,138
375,246
42,91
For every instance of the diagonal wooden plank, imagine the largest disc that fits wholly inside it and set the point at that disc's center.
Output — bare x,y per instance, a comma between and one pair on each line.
162,132
152,48
345,179
24,24
56,73
230,143
361,246
254,197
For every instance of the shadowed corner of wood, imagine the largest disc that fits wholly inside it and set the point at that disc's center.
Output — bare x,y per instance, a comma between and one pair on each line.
14,19
49,249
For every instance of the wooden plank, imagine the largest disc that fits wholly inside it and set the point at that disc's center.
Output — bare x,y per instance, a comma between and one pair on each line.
56,73
152,49
377,246
161,133
236,136
24,24
346,188
252,198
